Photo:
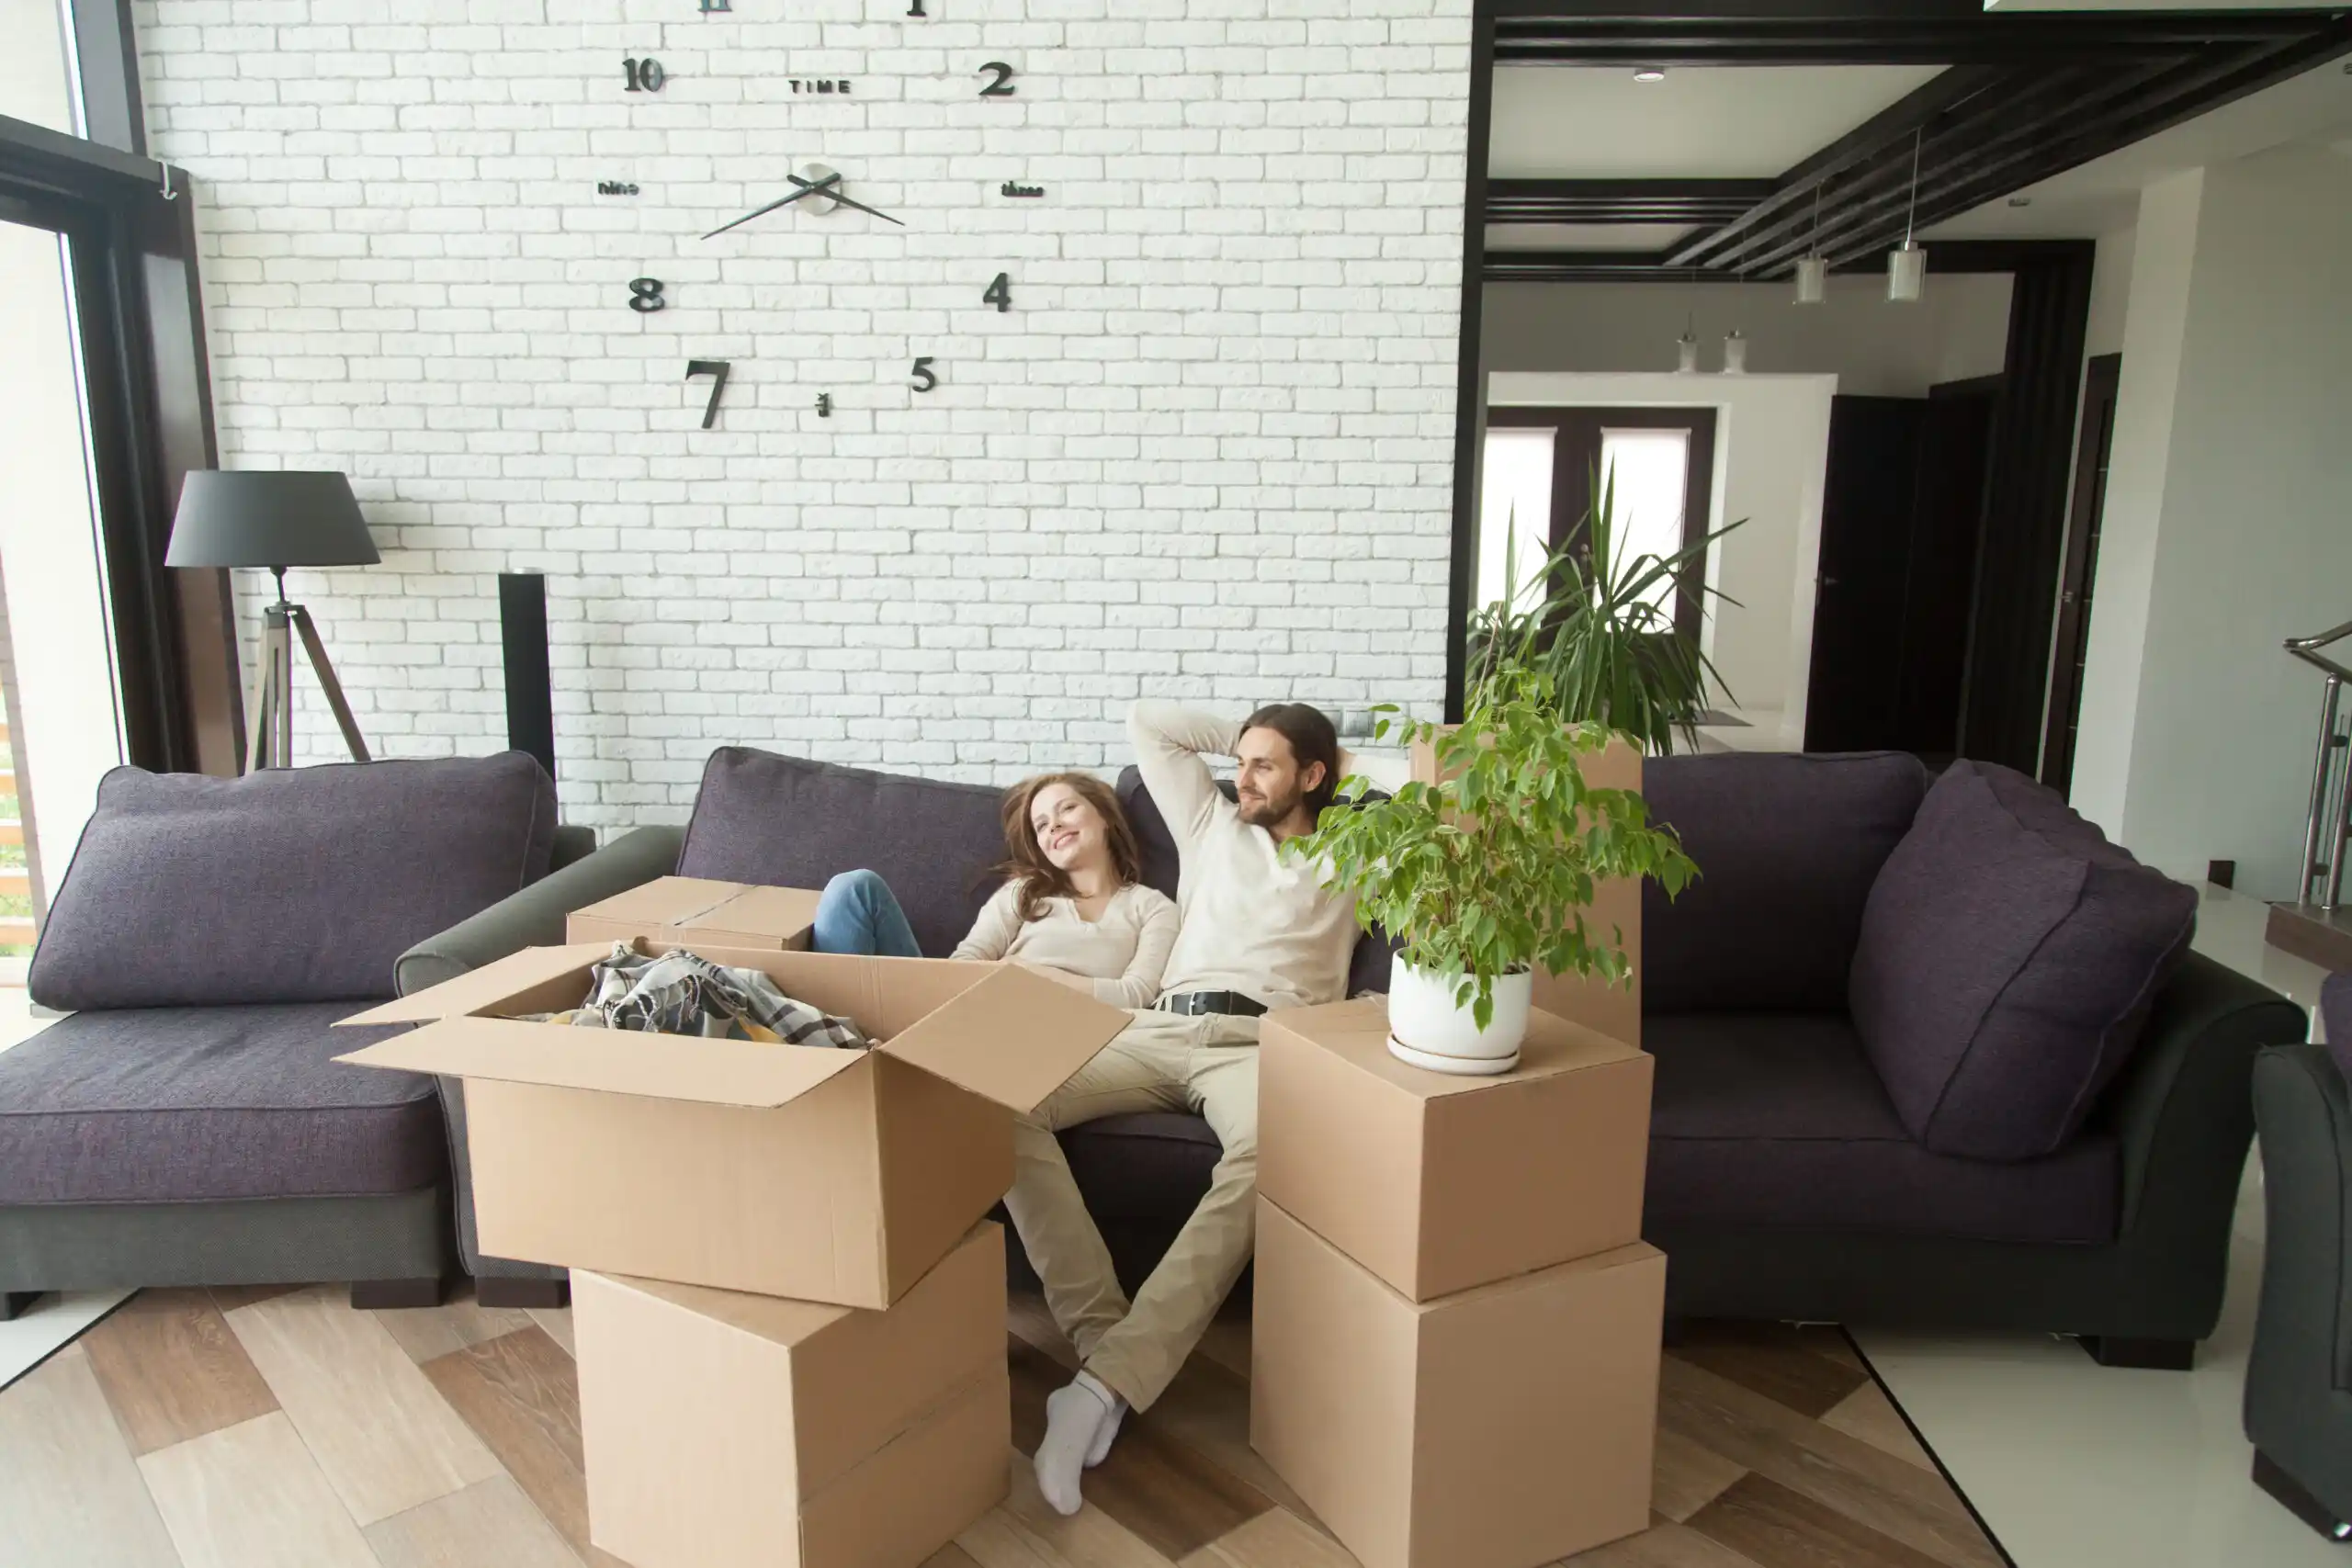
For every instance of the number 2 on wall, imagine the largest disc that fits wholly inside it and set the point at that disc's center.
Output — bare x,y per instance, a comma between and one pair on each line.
1002,87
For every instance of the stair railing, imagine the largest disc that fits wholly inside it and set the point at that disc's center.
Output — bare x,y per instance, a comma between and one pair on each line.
2328,829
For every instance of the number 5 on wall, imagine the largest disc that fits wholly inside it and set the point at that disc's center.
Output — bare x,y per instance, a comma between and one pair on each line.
717,370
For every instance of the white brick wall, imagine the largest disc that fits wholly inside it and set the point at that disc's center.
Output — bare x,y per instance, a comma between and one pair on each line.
1207,452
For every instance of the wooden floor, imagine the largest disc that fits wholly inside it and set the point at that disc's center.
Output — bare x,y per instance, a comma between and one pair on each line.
255,1427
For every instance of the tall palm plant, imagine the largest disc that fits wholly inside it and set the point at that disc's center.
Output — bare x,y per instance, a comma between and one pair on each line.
1586,620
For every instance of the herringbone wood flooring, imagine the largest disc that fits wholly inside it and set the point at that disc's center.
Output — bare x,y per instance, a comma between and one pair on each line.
254,1428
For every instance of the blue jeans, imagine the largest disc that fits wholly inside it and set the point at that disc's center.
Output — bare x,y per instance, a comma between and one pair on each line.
858,913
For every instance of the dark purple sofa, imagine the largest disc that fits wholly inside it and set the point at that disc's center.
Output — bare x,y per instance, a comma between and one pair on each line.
1865,1110
186,1123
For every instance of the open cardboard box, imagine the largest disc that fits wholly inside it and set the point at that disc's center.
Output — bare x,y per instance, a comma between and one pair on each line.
722,1427
827,1175
695,911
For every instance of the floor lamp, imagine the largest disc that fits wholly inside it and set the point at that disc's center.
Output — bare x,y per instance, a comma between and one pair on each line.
277,519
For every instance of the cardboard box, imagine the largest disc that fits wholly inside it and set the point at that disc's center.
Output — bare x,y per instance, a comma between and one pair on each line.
830,1176
1616,908
1438,1184
1503,1427
729,1428
689,911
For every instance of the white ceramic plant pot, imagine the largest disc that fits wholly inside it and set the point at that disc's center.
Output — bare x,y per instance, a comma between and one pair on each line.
1427,1030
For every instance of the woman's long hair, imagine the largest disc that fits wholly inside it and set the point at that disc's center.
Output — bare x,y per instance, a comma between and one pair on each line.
1025,863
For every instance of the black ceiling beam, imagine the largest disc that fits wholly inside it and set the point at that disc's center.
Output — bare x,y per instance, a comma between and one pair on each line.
2028,155
1543,32
1894,126
1571,266
1622,202
1996,131
1982,129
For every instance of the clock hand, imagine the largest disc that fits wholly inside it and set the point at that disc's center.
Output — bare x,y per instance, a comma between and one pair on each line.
834,179
807,188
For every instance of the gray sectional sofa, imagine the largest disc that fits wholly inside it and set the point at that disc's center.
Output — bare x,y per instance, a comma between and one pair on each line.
1923,1058
186,1124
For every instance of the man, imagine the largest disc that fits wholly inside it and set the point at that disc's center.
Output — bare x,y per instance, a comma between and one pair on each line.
1260,932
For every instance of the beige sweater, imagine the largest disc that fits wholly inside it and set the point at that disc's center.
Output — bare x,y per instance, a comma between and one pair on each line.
1123,952
1255,921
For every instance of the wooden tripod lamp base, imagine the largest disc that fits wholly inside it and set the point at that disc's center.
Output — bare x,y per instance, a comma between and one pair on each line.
269,716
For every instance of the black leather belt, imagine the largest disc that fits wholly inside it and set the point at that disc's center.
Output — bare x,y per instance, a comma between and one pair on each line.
1193,1003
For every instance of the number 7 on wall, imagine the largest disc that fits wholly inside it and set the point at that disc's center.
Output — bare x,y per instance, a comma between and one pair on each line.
717,370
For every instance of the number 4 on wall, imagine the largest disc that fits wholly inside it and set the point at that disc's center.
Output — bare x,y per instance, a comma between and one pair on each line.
717,370
999,293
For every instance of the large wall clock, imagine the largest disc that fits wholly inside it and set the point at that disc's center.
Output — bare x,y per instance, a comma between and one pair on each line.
807,211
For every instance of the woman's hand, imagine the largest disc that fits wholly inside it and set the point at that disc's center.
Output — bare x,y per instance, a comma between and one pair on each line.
1059,976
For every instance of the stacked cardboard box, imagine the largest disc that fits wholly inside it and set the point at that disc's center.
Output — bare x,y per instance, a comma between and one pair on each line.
1456,1349
694,911
790,1314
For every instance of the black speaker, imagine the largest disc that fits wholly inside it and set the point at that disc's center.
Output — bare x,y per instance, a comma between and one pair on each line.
530,688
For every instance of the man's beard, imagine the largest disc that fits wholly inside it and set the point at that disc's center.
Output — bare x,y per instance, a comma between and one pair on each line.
1271,809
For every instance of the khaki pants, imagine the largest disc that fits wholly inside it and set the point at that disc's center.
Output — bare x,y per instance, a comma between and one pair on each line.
1162,1062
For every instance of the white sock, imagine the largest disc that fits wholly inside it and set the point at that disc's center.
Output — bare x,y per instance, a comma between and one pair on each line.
1075,1418
1109,1430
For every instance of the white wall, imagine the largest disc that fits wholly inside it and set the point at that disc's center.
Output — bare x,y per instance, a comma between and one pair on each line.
1207,452
1957,331
2227,526
1771,451
35,75
2110,292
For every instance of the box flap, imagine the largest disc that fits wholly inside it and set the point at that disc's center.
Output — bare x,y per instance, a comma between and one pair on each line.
664,901
483,988
1013,1038
657,1066
767,911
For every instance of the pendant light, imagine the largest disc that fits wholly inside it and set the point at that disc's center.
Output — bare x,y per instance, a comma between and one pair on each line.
1813,267
1907,266
1686,347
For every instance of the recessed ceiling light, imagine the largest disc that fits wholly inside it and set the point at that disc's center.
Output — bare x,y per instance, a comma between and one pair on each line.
1650,73
2020,201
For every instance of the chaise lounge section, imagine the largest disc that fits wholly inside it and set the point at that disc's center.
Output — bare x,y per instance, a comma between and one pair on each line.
186,1124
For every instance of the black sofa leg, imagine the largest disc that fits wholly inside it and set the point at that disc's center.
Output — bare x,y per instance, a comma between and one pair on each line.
2290,1494
14,1302
384,1295
2153,1355
496,1292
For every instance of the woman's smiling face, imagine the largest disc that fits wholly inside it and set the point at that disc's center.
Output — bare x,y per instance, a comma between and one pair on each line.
1069,831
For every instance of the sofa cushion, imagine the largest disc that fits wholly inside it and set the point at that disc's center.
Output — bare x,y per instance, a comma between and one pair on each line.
1777,1119
287,886
2008,961
788,822
1787,848
2335,1018
188,1104
1147,1166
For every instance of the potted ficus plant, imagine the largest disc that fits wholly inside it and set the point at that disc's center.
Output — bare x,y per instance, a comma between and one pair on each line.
1485,873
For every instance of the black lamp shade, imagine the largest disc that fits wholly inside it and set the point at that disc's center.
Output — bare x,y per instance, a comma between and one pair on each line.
271,517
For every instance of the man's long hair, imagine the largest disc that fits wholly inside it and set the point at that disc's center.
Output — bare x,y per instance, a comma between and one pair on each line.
1311,739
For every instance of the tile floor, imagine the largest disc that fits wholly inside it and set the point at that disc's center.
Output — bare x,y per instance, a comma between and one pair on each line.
2076,1465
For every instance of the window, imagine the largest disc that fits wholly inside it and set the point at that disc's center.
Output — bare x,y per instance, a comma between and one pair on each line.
1515,508
1664,464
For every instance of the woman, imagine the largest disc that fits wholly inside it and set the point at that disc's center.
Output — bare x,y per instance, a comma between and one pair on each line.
1073,907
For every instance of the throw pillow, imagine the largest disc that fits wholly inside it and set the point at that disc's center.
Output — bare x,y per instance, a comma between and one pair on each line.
2007,960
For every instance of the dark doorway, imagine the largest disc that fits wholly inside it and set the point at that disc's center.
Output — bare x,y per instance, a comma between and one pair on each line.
2080,572
1853,693
1902,525
1947,532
